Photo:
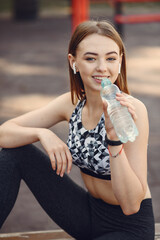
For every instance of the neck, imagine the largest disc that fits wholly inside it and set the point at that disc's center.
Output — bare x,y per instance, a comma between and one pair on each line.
93,102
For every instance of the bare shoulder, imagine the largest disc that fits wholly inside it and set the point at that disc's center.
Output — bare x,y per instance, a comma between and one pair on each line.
142,124
140,107
65,105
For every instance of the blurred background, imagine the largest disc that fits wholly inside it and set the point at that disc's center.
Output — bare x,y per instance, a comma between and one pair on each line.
34,37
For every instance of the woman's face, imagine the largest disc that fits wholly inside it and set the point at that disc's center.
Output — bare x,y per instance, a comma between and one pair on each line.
97,57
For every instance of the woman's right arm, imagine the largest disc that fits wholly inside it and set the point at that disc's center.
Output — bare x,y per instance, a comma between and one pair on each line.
33,126
13,135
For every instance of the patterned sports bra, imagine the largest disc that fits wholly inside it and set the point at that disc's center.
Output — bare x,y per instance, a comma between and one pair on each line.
88,147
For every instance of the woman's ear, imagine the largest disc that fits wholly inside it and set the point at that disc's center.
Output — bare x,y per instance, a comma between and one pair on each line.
120,62
121,57
71,60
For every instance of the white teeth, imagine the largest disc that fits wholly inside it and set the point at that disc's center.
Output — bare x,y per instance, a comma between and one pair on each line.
100,78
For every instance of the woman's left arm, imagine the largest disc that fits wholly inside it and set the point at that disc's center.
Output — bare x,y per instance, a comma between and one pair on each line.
129,169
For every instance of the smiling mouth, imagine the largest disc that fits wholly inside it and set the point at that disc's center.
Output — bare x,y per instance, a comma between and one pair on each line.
99,79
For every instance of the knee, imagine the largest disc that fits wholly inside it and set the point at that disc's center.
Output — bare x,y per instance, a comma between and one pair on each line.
13,153
22,156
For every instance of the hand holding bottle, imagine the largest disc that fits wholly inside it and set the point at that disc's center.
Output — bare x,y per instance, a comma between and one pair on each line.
121,113
111,134
123,101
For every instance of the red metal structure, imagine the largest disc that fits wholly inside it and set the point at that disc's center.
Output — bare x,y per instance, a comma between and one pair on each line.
137,18
120,19
80,13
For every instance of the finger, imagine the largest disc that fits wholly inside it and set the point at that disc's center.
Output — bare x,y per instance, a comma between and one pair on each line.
130,107
64,163
69,160
105,104
120,94
134,115
127,104
59,162
53,161
124,99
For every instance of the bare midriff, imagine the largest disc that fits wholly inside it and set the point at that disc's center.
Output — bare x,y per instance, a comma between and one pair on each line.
102,189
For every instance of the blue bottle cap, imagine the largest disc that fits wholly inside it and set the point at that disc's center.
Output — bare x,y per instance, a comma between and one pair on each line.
105,82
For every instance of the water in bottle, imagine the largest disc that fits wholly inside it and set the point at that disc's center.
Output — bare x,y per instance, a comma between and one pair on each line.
121,119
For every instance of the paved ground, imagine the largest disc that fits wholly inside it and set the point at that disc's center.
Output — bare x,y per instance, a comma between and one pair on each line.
33,70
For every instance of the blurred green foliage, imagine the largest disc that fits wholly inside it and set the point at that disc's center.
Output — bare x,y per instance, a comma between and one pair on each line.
6,5
54,3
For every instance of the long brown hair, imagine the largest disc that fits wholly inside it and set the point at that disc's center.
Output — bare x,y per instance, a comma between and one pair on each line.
83,30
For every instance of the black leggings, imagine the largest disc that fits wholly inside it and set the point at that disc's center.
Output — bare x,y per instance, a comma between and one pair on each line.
69,205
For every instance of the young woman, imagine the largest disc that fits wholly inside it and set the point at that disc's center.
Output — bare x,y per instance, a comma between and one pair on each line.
118,202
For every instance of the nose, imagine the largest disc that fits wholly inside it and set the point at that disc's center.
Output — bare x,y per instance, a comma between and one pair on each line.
101,66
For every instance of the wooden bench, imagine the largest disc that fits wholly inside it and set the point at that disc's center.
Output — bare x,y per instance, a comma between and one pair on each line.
52,235
38,235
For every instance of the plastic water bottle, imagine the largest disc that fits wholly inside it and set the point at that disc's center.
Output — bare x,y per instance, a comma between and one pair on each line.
120,117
